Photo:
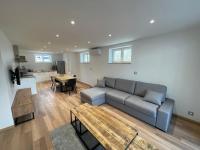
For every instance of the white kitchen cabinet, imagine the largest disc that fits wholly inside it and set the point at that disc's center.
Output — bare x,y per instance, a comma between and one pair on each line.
28,82
44,76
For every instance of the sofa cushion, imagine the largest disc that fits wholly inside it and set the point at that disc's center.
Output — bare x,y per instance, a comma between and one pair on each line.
109,82
137,103
93,93
153,97
141,89
125,85
101,83
107,89
116,95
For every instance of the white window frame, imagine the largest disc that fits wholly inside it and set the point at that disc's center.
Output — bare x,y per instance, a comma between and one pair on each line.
38,61
111,55
84,54
43,59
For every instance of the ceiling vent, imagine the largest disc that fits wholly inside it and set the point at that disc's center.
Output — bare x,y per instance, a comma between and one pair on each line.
95,51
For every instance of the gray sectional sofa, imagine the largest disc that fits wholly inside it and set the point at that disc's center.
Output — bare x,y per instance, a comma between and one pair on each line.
133,97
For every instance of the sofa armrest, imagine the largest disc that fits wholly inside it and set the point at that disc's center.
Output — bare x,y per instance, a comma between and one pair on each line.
164,114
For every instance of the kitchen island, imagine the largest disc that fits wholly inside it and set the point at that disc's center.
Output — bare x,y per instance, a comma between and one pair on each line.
28,81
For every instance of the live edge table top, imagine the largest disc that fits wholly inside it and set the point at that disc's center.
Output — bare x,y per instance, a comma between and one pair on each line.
108,130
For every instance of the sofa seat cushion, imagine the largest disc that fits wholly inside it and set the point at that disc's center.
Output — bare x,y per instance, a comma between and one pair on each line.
116,95
93,93
107,89
142,106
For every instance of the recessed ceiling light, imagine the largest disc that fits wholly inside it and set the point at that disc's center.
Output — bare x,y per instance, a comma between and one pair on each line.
109,35
88,42
49,43
75,46
152,21
57,35
72,22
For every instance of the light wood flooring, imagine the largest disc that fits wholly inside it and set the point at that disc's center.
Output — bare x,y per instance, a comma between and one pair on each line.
52,111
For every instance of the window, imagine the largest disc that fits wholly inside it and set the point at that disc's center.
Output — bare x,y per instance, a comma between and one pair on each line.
43,58
120,54
47,58
38,58
84,57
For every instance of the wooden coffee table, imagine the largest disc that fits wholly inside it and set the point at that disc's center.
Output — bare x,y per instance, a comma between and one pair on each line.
108,130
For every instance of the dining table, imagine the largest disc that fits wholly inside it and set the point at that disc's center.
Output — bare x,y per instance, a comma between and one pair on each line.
63,78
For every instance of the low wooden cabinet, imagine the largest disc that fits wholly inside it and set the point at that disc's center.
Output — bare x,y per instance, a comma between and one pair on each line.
22,105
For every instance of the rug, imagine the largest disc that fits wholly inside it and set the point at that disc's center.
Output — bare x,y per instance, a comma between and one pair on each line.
65,138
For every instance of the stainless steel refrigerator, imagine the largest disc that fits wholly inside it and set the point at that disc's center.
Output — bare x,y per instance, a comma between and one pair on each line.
60,67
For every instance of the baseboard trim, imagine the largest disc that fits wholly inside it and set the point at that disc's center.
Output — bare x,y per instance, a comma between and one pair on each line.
186,119
85,83
7,128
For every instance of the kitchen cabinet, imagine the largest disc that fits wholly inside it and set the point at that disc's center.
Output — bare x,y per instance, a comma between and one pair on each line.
44,76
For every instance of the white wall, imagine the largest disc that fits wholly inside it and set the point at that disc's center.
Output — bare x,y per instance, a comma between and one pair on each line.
30,57
71,63
171,59
7,89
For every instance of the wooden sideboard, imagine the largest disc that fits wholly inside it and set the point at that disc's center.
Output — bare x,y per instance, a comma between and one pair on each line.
22,105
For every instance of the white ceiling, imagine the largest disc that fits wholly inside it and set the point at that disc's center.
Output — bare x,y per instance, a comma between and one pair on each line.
32,23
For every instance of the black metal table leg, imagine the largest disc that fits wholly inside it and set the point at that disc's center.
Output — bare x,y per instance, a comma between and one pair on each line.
78,128
33,115
15,121
71,116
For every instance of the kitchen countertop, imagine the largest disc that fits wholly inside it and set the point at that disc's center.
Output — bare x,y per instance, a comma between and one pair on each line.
42,71
28,75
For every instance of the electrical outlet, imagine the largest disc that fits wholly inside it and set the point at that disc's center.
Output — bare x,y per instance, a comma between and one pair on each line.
135,73
190,113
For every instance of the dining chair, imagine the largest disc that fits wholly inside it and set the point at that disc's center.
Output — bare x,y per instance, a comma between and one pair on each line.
71,85
54,84
76,87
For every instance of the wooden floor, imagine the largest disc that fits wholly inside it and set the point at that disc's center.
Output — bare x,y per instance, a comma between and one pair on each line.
52,111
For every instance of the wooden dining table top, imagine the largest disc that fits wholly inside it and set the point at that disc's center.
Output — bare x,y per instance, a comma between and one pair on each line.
64,77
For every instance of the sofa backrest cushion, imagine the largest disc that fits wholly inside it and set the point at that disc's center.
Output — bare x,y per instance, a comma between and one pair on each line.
101,83
125,85
109,82
141,89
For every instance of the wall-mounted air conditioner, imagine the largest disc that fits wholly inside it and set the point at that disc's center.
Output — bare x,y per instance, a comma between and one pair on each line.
95,51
